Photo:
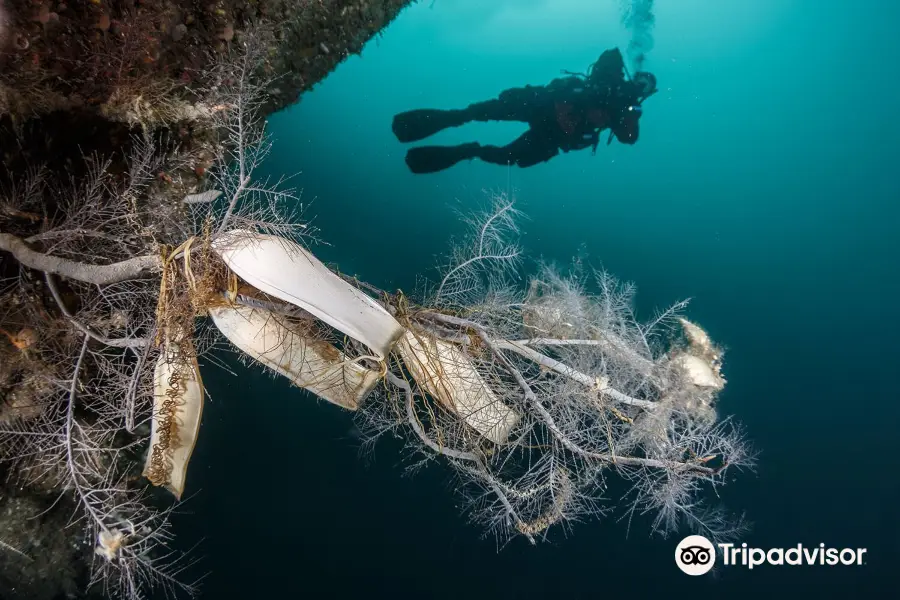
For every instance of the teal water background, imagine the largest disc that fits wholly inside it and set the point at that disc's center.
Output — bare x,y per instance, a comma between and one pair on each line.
765,187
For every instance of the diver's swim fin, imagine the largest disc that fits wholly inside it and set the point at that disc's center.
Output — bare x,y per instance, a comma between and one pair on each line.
418,124
431,159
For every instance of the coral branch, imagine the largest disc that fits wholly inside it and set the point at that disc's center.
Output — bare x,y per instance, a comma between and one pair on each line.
116,343
133,268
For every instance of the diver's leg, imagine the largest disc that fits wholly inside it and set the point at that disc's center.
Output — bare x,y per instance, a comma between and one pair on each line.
414,125
431,159
527,150
514,104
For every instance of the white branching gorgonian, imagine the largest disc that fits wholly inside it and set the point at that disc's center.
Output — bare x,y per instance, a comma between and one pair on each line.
595,393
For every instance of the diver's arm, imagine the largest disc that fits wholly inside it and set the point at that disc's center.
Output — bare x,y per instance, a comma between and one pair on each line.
629,135
627,128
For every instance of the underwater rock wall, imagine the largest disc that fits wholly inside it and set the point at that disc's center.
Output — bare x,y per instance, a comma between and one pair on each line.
104,54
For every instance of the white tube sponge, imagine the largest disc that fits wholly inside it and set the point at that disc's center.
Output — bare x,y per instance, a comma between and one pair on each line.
175,424
314,365
702,364
698,371
699,339
449,376
286,270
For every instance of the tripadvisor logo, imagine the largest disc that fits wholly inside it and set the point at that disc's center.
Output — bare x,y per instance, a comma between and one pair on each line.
696,555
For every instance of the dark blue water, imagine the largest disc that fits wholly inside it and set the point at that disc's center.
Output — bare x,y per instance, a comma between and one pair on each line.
765,186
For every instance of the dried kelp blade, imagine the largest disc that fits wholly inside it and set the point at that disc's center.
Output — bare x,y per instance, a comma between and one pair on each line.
290,351
449,376
286,270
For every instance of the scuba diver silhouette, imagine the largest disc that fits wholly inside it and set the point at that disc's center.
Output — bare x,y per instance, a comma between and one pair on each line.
567,114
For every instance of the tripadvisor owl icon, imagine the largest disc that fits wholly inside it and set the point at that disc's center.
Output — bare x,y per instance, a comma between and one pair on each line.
695,555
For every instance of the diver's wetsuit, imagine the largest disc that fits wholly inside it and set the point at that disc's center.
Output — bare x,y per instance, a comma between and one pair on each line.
567,114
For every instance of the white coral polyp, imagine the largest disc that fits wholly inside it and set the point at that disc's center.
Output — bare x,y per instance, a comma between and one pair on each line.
109,544
698,371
